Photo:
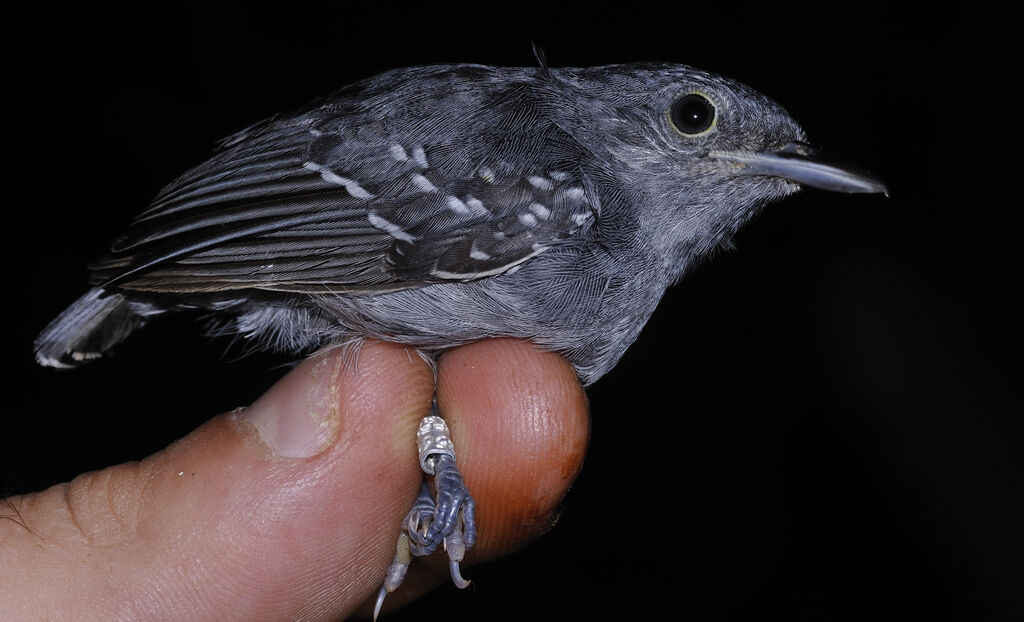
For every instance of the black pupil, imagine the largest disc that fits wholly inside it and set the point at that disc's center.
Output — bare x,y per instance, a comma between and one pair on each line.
692,114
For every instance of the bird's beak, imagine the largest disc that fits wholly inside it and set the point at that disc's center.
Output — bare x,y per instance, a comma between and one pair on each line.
801,163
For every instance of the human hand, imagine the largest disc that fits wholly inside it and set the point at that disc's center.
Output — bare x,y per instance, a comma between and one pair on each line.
291,508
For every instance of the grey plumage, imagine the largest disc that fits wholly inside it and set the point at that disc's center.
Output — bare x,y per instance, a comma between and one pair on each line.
439,205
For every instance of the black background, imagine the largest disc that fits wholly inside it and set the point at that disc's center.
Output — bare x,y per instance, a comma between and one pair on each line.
821,424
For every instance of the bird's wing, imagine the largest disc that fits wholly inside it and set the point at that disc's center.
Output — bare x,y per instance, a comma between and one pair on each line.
332,203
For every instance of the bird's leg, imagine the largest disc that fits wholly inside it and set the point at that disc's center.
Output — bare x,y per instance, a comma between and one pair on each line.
446,517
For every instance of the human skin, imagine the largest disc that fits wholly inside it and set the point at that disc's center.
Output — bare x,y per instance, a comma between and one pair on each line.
290,509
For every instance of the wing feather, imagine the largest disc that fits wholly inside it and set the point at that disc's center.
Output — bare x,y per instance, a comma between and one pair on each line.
365,195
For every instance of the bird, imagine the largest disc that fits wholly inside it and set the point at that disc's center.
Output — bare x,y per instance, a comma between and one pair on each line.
439,205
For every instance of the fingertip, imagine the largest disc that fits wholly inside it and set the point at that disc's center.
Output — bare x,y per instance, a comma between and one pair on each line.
520,422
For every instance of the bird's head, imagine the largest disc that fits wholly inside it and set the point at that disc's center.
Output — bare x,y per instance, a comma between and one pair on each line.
695,154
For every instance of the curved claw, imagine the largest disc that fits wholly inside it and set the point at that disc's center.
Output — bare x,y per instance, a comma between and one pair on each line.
455,546
380,601
453,567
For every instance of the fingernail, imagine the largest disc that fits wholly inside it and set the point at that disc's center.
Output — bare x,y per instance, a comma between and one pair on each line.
298,416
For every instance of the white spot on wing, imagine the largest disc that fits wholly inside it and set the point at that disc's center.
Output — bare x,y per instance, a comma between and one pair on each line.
528,219
559,175
576,194
540,211
330,176
420,157
423,183
477,206
540,183
476,253
398,153
391,228
456,205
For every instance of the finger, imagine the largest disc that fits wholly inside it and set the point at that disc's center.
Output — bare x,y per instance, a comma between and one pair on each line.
286,511
523,416
519,420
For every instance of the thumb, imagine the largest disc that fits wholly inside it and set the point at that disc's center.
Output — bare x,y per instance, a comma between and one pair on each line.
284,510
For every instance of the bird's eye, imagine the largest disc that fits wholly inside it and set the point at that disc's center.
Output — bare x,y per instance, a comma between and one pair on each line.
692,114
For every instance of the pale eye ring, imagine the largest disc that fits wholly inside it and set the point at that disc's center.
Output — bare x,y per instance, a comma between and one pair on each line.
692,114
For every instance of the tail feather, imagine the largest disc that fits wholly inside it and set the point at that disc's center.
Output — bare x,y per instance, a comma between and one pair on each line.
84,331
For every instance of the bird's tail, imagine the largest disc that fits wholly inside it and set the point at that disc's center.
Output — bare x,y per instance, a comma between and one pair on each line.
84,331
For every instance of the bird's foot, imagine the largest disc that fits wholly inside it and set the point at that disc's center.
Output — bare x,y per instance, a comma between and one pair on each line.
445,518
